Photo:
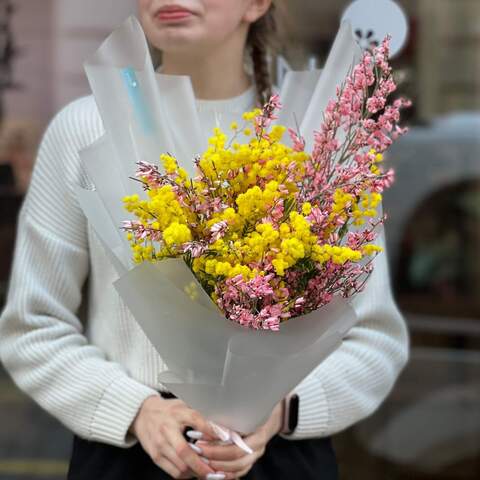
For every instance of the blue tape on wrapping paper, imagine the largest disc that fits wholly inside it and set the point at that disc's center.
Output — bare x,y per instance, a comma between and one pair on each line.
142,111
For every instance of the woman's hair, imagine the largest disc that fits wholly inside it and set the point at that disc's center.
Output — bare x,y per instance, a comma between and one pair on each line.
263,40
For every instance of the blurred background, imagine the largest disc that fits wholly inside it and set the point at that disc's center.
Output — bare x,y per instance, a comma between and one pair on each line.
429,428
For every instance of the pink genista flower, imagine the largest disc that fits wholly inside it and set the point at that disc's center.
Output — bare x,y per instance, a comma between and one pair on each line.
316,294
399,131
149,172
375,104
274,103
382,54
298,141
268,318
216,205
146,169
195,248
252,303
218,230
299,302
242,316
140,231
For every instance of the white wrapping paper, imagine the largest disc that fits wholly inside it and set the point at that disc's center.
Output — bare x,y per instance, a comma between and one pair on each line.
232,375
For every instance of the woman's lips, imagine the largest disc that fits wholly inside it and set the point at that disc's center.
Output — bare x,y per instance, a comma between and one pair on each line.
173,15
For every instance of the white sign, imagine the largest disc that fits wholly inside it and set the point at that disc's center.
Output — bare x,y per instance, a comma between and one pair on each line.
372,20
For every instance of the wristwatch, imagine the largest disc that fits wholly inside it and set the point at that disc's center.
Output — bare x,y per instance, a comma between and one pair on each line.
290,413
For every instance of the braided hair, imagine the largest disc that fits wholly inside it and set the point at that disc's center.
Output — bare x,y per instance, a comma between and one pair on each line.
263,37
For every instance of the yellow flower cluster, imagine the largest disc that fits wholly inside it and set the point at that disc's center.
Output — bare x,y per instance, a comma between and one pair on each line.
365,207
161,209
346,205
176,234
284,246
378,159
161,212
371,249
297,242
255,202
338,255
171,166
243,165
341,202
142,252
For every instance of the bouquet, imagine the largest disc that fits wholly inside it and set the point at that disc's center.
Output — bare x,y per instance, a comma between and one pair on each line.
239,265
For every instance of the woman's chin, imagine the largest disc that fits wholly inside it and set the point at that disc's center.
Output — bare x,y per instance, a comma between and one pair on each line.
177,41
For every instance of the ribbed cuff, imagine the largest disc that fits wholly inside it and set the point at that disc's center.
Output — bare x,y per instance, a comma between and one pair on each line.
116,411
313,412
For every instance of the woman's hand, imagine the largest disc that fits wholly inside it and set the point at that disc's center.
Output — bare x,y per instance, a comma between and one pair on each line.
159,427
233,461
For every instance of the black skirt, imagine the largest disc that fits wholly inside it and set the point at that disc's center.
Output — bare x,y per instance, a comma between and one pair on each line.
283,459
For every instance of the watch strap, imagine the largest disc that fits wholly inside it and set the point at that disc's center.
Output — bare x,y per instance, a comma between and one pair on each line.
290,413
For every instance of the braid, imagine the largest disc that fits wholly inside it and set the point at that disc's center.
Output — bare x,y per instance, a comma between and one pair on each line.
261,69
260,38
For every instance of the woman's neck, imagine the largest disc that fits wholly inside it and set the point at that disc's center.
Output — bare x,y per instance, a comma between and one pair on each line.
216,75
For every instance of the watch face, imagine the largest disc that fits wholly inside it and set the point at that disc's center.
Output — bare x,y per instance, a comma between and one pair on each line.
293,413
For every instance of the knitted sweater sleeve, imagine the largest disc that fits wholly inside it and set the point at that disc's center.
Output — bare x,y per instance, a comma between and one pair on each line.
42,343
354,380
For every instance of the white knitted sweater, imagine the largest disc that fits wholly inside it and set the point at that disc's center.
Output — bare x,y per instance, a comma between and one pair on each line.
93,375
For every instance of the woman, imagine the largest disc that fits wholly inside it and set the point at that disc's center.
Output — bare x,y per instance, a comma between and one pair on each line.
99,379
